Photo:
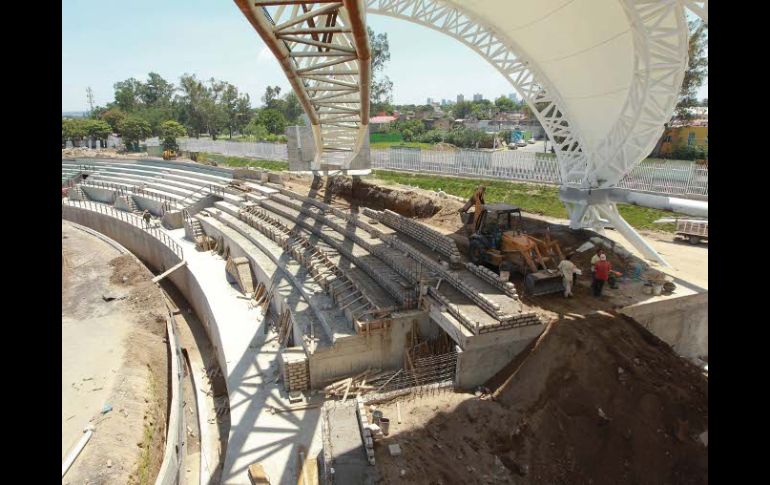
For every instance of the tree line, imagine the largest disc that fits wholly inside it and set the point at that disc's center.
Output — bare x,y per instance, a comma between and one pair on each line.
193,107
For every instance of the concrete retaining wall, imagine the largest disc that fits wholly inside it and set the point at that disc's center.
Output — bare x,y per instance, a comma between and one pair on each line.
680,322
157,256
99,194
356,353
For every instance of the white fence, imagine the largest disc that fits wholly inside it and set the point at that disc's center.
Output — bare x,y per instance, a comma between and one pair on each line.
270,151
674,177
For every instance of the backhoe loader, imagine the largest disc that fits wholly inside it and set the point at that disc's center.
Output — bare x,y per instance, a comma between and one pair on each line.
497,239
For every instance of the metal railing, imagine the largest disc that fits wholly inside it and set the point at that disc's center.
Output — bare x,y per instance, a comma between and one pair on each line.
211,189
166,202
119,189
130,219
674,177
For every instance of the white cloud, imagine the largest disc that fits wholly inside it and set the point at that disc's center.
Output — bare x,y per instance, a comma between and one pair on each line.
265,55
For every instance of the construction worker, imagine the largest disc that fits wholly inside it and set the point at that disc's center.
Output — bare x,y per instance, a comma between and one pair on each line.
602,270
568,270
146,217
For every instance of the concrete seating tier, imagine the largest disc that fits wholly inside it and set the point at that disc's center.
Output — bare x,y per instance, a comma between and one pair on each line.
334,324
350,298
275,277
378,261
426,235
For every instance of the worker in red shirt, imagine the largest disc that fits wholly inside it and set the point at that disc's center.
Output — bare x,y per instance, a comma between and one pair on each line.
601,274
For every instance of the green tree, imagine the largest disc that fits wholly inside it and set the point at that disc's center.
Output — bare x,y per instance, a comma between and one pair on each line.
156,92
272,120
113,117
462,109
190,102
134,129
127,95
293,108
505,104
381,87
256,131
272,94
73,130
170,131
97,130
697,69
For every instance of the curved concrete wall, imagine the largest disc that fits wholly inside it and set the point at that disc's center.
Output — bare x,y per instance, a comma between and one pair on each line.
157,256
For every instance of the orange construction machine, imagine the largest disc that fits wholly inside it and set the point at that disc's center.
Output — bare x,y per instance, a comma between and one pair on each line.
496,238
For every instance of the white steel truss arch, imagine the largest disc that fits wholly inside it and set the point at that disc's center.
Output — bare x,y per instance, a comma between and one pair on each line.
523,74
660,59
323,48
699,8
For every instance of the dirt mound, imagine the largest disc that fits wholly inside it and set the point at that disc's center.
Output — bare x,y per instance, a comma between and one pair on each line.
125,271
86,152
405,202
602,399
597,400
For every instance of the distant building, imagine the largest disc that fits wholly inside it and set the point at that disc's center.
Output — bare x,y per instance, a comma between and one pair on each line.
437,123
429,102
460,98
692,135
381,124
512,97
477,97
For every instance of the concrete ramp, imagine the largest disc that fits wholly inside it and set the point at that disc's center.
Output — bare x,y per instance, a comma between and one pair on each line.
239,271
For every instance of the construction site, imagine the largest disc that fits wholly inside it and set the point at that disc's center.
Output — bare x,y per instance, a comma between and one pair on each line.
322,327
324,306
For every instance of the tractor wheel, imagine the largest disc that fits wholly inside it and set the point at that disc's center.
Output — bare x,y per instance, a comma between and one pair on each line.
476,252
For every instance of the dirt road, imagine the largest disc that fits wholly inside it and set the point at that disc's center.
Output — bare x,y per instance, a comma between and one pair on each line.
113,362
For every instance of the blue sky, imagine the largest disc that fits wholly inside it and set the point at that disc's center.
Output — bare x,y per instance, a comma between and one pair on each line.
106,41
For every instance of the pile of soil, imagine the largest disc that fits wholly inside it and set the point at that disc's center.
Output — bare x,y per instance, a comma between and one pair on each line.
595,400
84,152
362,194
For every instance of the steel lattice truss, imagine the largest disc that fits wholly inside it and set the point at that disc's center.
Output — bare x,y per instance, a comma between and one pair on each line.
521,72
323,48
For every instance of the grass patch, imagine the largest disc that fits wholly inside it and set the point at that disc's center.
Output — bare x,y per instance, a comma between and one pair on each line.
144,471
396,144
538,199
243,162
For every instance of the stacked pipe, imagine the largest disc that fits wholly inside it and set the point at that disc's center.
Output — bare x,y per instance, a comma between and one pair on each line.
493,278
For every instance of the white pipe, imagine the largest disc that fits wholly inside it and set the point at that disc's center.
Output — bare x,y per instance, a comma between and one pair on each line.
88,431
696,208
630,234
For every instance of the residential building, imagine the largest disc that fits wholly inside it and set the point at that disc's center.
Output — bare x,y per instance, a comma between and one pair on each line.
477,97
460,98
512,97
381,124
690,135
429,102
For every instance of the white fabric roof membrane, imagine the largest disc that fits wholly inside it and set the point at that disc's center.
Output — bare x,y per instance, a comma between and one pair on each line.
583,47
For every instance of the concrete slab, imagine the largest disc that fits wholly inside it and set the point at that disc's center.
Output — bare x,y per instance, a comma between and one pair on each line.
251,366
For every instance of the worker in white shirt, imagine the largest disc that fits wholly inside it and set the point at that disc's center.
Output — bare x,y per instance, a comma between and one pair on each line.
568,270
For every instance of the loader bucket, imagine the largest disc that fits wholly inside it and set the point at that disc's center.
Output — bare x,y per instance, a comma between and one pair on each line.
544,283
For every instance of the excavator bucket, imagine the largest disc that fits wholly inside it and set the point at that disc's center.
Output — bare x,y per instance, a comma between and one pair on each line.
544,282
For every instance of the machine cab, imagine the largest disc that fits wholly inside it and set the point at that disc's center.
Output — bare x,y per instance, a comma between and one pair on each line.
500,218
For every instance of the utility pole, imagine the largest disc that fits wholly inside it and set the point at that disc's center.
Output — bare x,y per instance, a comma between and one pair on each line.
90,96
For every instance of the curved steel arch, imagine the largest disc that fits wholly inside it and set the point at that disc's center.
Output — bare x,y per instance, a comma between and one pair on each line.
323,48
523,74
660,56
